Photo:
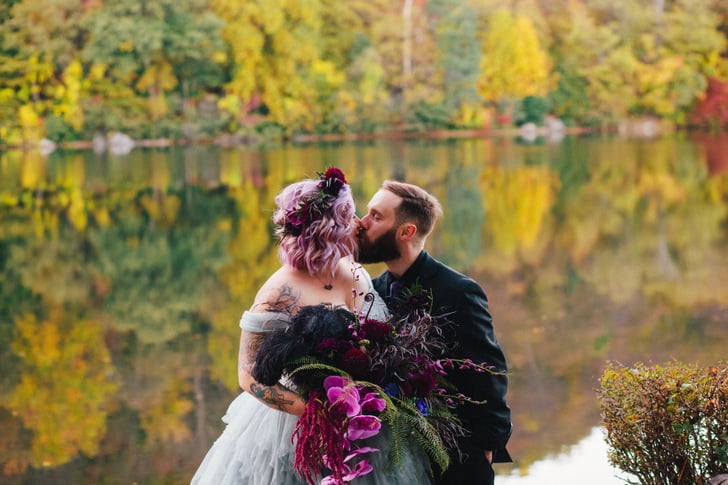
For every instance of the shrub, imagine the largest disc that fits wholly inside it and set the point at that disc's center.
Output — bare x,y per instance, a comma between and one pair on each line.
532,110
666,425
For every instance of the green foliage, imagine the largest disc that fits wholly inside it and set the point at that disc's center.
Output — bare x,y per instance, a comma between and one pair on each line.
409,418
459,51
58,130
148,263
570,101
532,110
430,116
666,424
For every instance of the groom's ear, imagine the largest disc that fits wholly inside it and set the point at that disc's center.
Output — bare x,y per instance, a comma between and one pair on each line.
407,231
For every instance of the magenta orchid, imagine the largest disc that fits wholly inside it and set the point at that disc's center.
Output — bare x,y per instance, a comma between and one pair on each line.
344,397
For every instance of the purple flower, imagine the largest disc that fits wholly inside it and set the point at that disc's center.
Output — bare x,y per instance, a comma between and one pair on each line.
360,469
422,382
422,406
343,395
335,381
362,427
373,403
359,451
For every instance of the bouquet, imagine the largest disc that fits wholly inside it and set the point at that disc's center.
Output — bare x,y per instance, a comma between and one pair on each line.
357,373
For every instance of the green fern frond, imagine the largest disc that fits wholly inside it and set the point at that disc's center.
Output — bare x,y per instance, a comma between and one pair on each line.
425,433
314,365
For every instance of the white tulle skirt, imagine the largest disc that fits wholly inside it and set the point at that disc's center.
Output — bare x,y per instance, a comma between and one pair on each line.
255,449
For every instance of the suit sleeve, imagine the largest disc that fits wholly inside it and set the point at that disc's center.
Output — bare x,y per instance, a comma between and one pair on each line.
490,423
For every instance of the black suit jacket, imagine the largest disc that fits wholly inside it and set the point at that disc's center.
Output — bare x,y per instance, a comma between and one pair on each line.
489,424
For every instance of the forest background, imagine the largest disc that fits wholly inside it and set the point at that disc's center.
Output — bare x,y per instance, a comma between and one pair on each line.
240,70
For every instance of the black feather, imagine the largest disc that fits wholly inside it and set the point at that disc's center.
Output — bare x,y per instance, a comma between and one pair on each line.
308,327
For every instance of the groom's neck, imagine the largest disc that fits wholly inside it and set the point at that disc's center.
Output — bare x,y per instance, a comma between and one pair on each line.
398,267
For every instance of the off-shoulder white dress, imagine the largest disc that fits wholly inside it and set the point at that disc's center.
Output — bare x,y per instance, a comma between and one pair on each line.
255,447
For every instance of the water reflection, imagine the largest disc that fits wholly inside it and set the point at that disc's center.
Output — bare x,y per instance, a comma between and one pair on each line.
584,462
123,278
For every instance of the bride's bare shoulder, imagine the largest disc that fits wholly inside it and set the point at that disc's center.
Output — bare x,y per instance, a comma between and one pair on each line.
277,294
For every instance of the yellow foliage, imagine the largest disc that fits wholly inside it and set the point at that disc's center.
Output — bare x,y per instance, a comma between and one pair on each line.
30,122
65,393
97,72
70,97
514,65
274,50
77,210
157,78
102,217
229,103
38,72
157,106
163,419
33,170
470,116
327,71
161,208
517,203
126,46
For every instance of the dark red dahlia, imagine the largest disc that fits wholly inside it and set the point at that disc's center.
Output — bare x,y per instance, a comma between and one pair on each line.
375,330
329,347
332,181
333,172
422,382
355,362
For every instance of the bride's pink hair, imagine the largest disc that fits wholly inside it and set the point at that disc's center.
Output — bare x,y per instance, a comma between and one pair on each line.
323,242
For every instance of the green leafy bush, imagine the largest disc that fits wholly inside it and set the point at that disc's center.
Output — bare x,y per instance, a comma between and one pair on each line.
666,425
532,110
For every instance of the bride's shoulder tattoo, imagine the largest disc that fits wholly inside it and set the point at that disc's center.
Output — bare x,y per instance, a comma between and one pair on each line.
283,299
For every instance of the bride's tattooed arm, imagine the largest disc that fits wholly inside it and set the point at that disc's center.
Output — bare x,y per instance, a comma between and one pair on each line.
284,300
275,396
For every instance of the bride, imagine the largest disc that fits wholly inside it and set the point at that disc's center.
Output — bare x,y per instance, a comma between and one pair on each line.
315,222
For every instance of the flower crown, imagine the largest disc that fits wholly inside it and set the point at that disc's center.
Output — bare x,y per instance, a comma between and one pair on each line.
313,208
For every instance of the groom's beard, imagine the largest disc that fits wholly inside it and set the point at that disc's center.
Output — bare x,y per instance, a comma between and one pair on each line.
383,248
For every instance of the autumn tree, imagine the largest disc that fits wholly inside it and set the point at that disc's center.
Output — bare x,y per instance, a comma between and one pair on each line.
41,40
455,25
514,65
653,60
153,45
712,110
273,47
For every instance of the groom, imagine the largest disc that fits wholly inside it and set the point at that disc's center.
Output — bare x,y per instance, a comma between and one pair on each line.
400,217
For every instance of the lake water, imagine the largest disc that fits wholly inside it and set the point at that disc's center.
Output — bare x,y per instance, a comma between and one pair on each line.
123,279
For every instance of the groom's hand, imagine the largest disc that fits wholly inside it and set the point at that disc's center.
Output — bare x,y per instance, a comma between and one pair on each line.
489,456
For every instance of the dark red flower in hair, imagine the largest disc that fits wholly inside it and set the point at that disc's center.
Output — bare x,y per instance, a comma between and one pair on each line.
333,172
332,181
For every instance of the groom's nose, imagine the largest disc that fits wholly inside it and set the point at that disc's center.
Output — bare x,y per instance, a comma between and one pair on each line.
363,222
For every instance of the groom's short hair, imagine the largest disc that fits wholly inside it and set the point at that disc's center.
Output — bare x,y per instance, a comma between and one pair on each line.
418,206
